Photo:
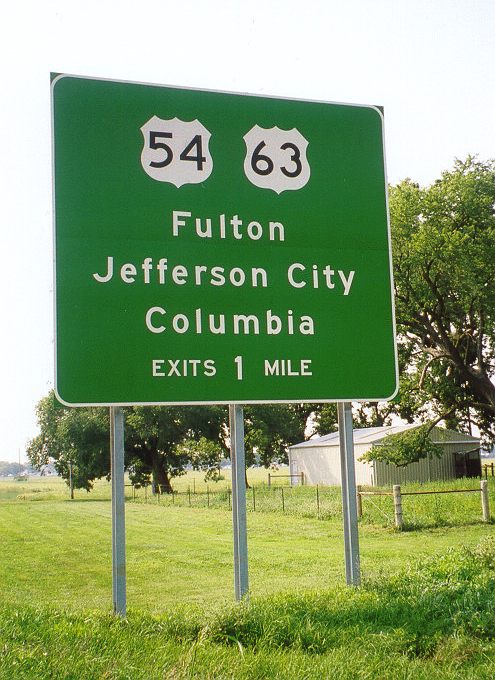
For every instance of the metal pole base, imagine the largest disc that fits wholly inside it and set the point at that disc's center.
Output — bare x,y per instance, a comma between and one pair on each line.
118,510
349,503
241,580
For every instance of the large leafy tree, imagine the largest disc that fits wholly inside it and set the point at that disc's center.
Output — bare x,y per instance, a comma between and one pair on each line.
443,239
160,441
77,439
444,262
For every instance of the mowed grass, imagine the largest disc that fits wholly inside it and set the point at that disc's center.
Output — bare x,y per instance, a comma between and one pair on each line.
58,552
407,621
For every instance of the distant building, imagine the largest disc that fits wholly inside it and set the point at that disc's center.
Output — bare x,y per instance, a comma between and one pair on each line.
319,459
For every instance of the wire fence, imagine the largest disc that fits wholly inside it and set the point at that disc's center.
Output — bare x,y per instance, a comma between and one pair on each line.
424,506
437,504
316,501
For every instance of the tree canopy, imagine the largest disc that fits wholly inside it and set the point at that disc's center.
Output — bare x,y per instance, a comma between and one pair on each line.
405,447
443,242
10,468
160,441
73,438
443,246
271,428
154,441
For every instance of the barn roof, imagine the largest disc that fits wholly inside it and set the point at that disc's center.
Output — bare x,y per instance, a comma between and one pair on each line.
372,435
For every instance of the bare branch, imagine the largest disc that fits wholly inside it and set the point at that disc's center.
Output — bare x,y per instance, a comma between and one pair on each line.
434,357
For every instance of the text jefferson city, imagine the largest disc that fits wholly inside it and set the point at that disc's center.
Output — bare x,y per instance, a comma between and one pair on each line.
164,271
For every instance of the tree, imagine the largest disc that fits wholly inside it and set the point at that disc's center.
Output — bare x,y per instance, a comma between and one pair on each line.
405,447
443,242
160,441
204,454
325,419
77,439
157,438
8,468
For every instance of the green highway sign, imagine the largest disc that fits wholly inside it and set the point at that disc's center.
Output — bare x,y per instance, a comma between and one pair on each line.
214,247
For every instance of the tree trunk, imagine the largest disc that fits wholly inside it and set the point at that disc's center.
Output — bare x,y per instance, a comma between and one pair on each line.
161,479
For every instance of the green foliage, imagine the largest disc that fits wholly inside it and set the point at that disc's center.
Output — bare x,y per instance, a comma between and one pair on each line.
76,438
450,594
155,438
205,455
443,243
271,428
326,419
405,447
160,441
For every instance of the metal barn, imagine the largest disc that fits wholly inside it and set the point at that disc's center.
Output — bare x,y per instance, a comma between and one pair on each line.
319,459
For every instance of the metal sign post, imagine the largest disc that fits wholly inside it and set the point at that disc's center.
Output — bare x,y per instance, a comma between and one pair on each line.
349,505
118,510
241,583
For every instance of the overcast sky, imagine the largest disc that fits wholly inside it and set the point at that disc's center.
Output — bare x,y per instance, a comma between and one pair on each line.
431,64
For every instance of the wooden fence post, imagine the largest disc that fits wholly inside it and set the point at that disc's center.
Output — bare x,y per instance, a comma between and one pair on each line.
359,501
484,500
397,506
269,481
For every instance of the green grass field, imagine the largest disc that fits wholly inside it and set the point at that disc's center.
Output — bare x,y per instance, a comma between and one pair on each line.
55,587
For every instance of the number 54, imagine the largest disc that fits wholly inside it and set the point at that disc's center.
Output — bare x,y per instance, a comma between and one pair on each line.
176,151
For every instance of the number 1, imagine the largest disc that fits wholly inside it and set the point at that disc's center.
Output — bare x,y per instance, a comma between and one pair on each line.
238,361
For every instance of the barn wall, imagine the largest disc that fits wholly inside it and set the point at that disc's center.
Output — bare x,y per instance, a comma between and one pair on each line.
364,471
424,470
317,465
321,465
